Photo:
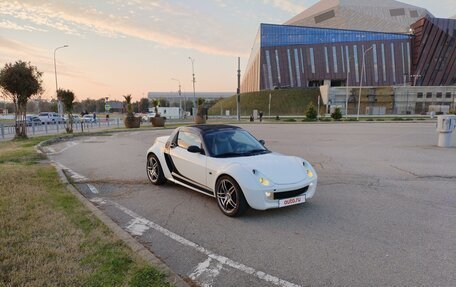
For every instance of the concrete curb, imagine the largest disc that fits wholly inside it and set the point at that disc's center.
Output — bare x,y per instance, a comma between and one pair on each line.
131,242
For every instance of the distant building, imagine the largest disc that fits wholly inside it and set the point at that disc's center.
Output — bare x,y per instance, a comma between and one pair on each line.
330,42
188,95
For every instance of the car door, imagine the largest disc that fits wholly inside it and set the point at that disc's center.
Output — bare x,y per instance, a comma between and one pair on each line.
189,168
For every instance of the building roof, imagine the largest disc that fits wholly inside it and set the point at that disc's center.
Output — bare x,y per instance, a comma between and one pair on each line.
369,15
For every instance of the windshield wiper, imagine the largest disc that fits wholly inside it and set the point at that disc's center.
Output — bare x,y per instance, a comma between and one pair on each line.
256,151
230,154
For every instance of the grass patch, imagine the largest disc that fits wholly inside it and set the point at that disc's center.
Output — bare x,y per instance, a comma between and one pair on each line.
325,119
48,238
397,119
289,120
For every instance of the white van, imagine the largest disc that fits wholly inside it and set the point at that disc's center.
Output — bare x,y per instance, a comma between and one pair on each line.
51,118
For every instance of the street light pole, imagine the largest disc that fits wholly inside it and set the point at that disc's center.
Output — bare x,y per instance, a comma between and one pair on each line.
180,99
59,102
363,68
193,74
346,95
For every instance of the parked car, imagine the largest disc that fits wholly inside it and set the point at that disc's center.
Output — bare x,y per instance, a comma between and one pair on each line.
228,163
89,119
51,118
76,119
32,120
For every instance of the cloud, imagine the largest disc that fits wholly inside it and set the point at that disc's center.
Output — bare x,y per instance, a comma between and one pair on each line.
286,5
78,20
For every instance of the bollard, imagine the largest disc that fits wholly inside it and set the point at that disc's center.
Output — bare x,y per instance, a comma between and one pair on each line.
2,128
46,126
445,126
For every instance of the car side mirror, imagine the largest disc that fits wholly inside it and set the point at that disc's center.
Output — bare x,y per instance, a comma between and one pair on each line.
194,149
262,142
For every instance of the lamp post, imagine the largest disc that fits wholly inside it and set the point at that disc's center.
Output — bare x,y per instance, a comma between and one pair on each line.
180,99
361,80
59,102
193,74
346,95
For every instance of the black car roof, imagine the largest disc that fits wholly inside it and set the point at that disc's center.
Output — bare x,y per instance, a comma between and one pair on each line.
210,128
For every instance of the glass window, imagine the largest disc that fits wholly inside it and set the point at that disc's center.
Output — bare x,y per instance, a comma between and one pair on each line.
403,58
302,60
428,95
383,62
280,35
355,58
312,60
342,58
290,68
268,66
278,67
448,95
186,139
347,54
298,73
374,53
393,63
335,59
419,95
408,57
326,60
233,143
438,95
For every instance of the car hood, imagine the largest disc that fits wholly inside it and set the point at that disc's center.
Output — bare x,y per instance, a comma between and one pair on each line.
278,168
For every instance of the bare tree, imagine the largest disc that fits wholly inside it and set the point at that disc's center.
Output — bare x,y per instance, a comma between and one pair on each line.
19,82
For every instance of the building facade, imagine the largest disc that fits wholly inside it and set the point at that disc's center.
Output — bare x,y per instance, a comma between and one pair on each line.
354,42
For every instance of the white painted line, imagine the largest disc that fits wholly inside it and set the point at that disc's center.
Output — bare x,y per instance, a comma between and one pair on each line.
92,188
137,226
98,200
74,175
222,259
205,272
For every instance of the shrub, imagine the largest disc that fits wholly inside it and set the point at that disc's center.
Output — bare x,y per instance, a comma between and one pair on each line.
311,112
277,118
337,115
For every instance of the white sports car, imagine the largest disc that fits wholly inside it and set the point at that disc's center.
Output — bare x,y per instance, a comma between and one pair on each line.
228,163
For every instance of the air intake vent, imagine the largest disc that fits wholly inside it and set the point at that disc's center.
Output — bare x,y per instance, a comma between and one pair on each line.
397,12
325,16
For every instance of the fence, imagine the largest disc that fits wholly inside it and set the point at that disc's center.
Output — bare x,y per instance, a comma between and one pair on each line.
9,130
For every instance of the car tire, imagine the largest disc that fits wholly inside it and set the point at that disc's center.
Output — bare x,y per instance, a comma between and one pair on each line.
230,197
154,170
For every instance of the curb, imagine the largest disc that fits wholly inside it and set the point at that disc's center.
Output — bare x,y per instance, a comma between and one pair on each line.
172,277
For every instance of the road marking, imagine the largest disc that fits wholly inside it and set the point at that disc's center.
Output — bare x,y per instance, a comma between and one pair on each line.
137,226
221,259
74,175
92,188
206,272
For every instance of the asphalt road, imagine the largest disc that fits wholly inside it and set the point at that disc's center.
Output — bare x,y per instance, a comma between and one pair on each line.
384,212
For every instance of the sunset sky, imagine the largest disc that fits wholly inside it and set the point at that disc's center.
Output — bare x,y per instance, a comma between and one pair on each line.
119,47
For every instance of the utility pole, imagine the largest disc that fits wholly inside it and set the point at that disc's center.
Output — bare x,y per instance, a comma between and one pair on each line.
59,101
194,96
238,108
363,69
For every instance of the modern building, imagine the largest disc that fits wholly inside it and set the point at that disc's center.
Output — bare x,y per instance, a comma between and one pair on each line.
354,42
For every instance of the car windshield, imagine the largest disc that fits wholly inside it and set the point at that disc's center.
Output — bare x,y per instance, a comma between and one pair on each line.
233,143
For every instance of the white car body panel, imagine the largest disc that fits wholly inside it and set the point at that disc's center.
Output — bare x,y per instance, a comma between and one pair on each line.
200,172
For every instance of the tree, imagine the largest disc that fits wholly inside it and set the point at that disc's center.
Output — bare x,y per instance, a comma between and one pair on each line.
311,112
144,105
337,114
67,98
19,82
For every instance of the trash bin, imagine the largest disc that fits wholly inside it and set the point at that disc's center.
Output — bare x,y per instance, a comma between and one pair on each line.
445,126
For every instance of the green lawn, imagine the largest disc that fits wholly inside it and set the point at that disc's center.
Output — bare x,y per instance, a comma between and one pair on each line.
48,238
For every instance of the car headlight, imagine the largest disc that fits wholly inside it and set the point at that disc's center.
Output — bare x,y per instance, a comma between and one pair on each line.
264,181
261,178
310,173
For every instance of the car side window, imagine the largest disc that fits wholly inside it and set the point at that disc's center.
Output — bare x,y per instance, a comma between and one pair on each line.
186,139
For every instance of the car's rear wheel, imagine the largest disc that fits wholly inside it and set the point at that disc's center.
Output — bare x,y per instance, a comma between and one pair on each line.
230,197
154,170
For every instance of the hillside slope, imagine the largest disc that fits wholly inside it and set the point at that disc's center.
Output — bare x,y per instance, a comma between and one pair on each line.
283,102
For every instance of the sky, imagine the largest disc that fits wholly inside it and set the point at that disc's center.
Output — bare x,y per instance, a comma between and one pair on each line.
119,47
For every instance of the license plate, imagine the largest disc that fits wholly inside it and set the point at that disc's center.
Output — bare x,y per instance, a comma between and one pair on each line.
292,201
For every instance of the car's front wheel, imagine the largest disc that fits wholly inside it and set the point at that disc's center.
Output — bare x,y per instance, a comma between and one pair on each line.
154,170
230,197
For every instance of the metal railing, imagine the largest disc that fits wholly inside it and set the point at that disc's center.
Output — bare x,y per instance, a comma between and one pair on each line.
9,130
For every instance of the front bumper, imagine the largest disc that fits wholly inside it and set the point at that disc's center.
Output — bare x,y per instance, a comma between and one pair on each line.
258,199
